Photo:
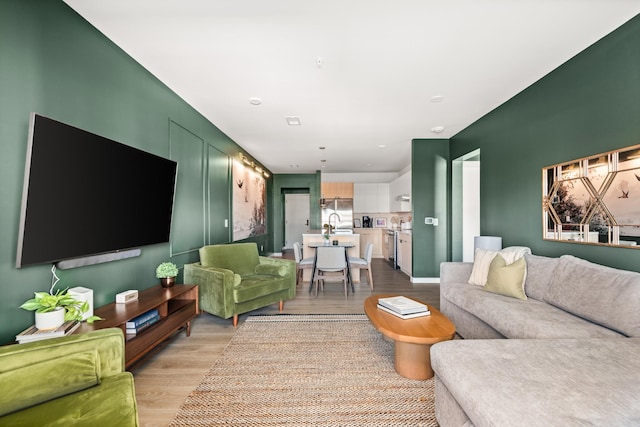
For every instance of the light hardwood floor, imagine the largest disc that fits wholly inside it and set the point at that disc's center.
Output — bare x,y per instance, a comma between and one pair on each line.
166,378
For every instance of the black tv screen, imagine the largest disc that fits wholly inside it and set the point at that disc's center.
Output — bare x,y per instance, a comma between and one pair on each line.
87,195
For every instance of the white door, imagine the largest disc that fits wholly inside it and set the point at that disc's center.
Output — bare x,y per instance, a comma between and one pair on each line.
465,198
296,218
470,207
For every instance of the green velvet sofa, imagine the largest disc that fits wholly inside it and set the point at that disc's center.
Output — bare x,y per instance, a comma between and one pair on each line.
233,279
77,380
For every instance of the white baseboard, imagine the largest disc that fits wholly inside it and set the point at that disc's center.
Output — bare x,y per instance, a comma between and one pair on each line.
425,279
276,255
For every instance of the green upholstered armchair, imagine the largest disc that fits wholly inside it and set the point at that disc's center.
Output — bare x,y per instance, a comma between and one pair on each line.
75,380
233,279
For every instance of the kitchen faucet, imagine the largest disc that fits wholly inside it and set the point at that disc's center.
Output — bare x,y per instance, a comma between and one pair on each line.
338,219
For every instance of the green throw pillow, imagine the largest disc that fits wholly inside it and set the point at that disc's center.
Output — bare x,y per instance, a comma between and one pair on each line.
506,279
270,269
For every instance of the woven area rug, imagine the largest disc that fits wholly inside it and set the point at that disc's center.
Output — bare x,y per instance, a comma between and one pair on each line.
311,370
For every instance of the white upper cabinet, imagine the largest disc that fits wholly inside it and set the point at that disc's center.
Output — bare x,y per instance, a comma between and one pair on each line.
365,197
400,193
370,197
383,198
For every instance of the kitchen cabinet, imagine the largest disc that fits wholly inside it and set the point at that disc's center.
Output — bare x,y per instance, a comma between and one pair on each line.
333,190
371,197
405,253
371,235
385,245
398,188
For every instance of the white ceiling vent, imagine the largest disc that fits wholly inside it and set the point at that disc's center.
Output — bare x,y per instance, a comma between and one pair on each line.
293,120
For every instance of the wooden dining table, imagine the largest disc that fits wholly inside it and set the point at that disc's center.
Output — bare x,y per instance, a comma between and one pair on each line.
346,245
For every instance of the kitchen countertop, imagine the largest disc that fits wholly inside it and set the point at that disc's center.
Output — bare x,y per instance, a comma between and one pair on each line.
320,232
405,231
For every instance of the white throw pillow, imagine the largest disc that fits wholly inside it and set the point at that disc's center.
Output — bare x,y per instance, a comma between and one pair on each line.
482,260
519,251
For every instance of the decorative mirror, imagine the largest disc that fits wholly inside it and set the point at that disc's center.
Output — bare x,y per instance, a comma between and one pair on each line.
594,200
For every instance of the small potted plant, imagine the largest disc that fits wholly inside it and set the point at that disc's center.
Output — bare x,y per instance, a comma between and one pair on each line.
167,272
53,309
326,234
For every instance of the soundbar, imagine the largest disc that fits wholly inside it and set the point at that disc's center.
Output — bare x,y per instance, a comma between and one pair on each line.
97,259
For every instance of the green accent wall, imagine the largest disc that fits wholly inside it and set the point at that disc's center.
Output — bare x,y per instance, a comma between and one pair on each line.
589,105
430,190
55,63
187,228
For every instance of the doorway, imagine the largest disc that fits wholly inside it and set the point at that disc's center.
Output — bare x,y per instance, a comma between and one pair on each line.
296,218
465,205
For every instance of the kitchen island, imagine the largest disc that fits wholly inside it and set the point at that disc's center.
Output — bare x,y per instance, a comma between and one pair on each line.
308,252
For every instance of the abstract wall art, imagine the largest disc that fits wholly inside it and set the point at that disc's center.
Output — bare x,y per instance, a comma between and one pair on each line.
249,202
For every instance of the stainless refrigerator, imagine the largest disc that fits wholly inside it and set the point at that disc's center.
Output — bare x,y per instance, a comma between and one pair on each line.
344,209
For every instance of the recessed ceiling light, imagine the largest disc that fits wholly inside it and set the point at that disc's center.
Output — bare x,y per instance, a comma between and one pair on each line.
294,166
382,146
255,101
293,120
437,98
437,129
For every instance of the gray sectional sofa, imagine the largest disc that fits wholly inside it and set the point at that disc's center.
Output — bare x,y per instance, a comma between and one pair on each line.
572,356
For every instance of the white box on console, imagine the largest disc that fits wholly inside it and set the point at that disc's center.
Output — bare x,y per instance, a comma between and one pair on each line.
126,296
83,294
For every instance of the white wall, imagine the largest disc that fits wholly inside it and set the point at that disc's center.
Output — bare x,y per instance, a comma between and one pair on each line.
470,207
364,177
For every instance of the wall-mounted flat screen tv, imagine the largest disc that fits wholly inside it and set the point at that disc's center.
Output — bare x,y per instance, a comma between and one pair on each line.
87,195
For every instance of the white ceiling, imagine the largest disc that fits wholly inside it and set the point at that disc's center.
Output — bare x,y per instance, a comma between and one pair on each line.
383,61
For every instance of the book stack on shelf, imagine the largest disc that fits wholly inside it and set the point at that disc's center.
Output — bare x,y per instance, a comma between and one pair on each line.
34,334
403,307
142,322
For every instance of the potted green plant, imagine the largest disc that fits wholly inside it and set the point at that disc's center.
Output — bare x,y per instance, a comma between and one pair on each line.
53,309
167,272
327,233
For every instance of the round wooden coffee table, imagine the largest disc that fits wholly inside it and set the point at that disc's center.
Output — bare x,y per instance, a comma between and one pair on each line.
413,337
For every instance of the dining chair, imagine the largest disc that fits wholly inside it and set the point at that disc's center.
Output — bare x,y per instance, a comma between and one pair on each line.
364,263
301,263
330,259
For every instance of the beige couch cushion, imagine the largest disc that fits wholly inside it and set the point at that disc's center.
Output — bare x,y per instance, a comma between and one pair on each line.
603,295
572,382
539,273
515,318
